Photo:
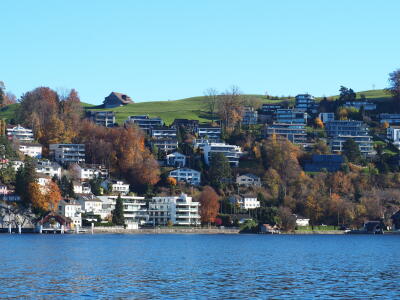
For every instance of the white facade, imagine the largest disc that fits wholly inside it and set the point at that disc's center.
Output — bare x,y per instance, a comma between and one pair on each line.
249,202
32,150
205,130
68,153
90,203
72,210
302,221
393,135
16,164
21,133
179,210
87,172
248,180
176,159
48,168
135,208
231,152
81,188
116,186
187,175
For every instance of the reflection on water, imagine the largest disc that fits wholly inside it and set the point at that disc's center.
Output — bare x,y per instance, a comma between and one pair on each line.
200,266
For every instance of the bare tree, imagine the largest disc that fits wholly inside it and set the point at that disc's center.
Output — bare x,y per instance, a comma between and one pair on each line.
211,101
230,107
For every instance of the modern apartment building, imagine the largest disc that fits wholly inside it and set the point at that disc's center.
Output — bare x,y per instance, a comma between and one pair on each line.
295,133
186,175
20,133
49,168
231,152
306,103
102,118
180,210
66,154
208,131
145,122
290,116
249,116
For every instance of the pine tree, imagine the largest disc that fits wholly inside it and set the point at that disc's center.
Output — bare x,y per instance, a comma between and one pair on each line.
118,213
220,170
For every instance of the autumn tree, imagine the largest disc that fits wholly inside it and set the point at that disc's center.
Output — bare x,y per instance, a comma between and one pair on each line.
318,123
352,151
209,205
230,106
53,196
37,198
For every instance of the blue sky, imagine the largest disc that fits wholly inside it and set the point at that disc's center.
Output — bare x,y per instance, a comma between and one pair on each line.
160,50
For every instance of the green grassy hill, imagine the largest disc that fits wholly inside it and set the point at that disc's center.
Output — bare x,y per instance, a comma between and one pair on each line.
189,108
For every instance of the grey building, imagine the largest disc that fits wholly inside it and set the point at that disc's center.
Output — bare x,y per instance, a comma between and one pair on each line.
102,118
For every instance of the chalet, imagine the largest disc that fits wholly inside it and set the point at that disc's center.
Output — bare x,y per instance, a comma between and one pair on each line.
116,99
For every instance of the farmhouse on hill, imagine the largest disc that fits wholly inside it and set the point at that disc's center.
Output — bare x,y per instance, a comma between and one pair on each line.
116,99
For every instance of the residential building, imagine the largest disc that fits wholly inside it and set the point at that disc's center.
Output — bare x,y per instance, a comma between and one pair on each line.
116,186
321,162
306,103
180,210
245,202
20,133
358,104
145,122
295,133
135,208
31,149
71,209
101,118
301,221
391,119
290,116
176,159
66,154
186,175
249,116
90,203
189,125
4,189
208,131
163,132
327,117
231,152
165,144
49,168
116,99
248,180
269,108
393,135
81,187
341,130
16,164
86,172
200,143
43,181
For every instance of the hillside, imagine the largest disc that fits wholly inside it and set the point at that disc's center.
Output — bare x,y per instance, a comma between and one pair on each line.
189,108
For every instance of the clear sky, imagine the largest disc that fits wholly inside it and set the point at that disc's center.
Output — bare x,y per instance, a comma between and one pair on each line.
160,50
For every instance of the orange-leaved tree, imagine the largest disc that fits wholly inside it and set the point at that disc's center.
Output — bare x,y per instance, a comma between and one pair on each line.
209,205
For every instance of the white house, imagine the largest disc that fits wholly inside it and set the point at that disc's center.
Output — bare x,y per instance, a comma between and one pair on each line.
180,210
81,188
86,171
301,221
71,209
3,189
393,135
245,201
115,186
231,152
187,175
16,164
68,153
43,180
135,208
31,149
90,203
248,180
20,133
176,159
49,168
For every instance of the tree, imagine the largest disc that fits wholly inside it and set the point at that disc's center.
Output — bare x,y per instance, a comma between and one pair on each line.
209,205
286,221
2,94
95,185
352,151
230,106
346,94
53,196
37,198
24,177
118,213
220,170
394,85
319,123
211,101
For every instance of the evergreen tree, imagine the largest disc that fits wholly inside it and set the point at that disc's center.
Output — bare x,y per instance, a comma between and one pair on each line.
24,177
95,185
118,213
220,170
352,151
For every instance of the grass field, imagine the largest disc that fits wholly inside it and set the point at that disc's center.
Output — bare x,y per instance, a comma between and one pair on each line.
189,108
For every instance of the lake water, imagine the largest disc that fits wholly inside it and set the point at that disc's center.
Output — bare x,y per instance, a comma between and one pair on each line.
200,266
